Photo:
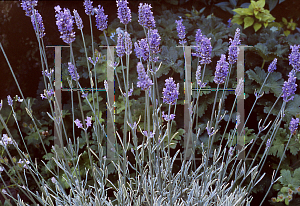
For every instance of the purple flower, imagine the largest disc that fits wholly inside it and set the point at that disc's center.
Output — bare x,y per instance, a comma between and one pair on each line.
151,134
6,140
84,95
101,19
41,29
88,121
171,92
229,22
88,7
294,125
129,93
26,163
49,93
73,72
233,48
146,18
294,57
198,76
268,144
124,13
289,87
167,117
209,132
28,6
64,22
142,48
154,41
47,74
78,19
198,40
181,31
93,62
221,70
134,126
128,43
120,45
272,66
78,123
205,51
9,100
144,82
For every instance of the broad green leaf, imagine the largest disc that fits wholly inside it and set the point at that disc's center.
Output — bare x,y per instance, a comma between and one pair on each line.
248,21
287,32
257,26
284,21
243,11
237,20
294,148
286,177
261,3
277,148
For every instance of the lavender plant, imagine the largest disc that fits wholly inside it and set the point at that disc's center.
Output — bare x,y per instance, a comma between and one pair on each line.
219,182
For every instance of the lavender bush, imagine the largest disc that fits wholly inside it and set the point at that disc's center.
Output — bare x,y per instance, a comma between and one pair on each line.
212,183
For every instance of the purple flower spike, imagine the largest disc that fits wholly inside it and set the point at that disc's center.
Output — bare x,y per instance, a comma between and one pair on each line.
128,44
64,22
101,19
88,7
198,76
221,70
40,24
289,87
142,48
48,74
9,100
84,95
146,18
294,125
167,117
198,39
181,31
124,13
120,45
144,82
233,48
78,123
73,72
88,122
27,6
268,144
205,51
78,19
154,41
272,66
294,57
151,134
171,92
